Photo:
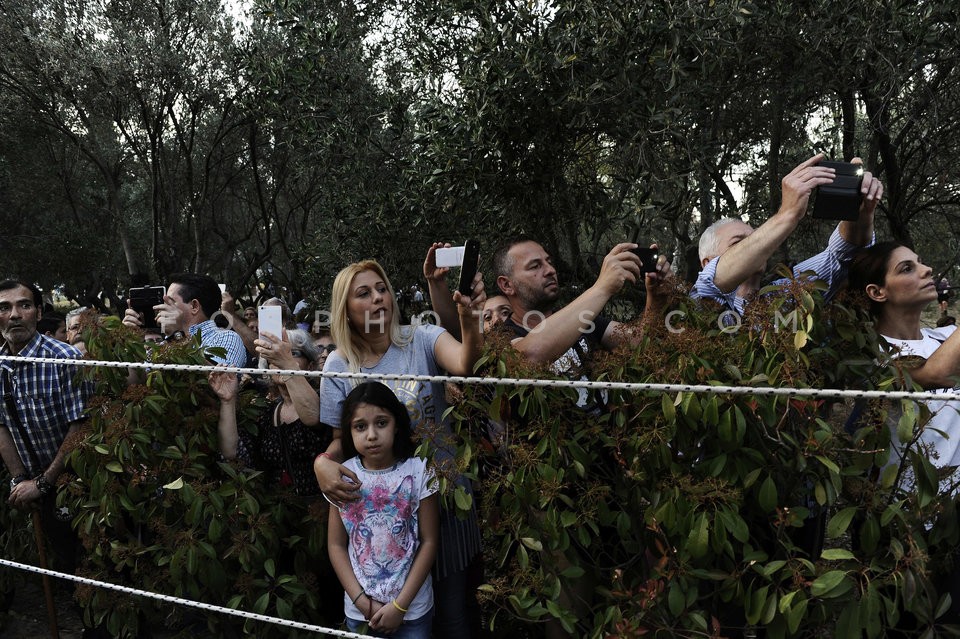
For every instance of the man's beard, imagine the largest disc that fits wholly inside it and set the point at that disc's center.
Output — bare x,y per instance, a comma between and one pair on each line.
537,299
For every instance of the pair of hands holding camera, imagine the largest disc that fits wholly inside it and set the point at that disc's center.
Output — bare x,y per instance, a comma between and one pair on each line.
625,264
169,317
798,185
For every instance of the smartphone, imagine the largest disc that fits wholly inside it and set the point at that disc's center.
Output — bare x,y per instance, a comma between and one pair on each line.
468,269
270,319
452,256
143,299
841,199
648,258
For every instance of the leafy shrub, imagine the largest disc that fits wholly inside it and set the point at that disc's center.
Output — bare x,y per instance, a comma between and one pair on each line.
667,514
17,542
698,514
156,508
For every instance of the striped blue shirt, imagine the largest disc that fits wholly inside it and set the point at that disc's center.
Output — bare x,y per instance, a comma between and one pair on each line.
212,336
829,265
46,398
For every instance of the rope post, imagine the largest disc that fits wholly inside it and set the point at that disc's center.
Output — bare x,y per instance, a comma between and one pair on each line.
47,586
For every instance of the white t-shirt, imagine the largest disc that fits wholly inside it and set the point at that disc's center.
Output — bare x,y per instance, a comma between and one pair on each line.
383,532
941,434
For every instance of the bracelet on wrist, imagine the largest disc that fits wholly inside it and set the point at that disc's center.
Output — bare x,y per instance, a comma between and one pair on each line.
16,480
43,485
360,594
397,606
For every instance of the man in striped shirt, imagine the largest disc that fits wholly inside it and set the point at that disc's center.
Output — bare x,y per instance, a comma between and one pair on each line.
733,255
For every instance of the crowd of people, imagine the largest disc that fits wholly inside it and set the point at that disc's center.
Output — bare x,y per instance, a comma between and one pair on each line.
407,565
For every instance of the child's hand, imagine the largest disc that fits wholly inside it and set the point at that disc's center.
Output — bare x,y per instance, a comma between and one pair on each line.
387,619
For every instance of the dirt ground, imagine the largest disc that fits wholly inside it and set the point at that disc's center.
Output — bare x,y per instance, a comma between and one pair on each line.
27,616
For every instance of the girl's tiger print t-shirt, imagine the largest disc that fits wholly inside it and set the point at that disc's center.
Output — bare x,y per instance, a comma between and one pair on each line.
383,532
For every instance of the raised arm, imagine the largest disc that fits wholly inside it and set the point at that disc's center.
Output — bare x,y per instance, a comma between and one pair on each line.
553,336
279,353
226,387
749,256
658,284
459,357
859,232
440,297
228,306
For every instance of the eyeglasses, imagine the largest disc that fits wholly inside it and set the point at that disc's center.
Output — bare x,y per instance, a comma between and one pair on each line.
329,348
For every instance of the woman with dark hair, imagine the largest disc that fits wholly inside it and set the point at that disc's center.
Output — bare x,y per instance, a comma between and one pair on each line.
289,435
898,287
365,324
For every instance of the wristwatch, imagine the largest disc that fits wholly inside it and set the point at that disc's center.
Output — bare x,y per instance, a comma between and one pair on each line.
43,485
16,480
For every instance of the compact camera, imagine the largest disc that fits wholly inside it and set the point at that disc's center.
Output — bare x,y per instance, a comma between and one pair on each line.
143,299
841,199
648,258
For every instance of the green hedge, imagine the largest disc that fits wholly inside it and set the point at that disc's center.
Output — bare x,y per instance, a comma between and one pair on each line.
688,514
156,507
681,514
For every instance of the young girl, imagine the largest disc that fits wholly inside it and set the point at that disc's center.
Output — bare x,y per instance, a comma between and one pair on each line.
383,544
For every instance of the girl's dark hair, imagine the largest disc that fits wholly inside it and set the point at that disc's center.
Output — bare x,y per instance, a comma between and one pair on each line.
381,396
869,266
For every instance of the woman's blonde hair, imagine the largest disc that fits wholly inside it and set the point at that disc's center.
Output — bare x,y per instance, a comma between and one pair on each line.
348,338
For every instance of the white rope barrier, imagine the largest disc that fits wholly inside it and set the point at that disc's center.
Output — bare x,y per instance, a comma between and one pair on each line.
766,391
185,602
809,393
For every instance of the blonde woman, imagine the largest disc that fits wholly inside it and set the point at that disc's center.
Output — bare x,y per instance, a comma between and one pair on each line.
365,326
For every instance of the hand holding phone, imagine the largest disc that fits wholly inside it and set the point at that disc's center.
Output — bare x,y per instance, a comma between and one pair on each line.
839,200
143,299
447,257
468,269
648,258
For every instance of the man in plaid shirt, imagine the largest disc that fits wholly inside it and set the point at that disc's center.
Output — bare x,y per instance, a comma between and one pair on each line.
42,404
191,303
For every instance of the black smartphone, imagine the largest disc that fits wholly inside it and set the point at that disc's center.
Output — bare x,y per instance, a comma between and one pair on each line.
841,199
648,258
143,299
468,269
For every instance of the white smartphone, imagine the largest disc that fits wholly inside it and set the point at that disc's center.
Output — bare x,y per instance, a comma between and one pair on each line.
223,288
270,320
452,256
